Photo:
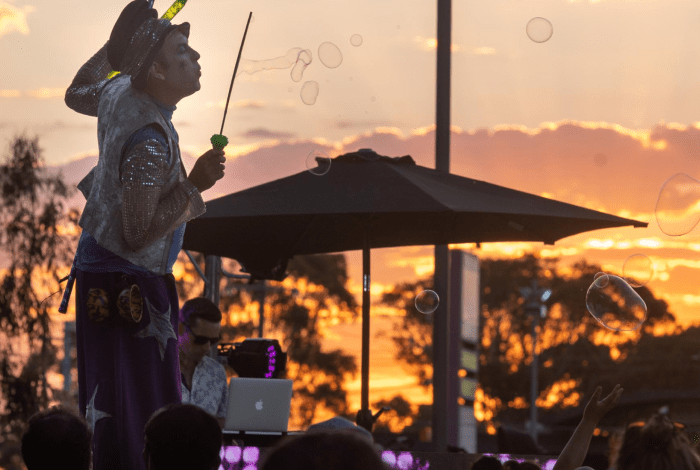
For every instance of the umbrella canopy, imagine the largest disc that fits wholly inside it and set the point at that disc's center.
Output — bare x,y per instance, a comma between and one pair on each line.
397,201
365,200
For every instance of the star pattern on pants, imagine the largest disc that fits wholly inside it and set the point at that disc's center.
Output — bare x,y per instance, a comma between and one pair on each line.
93,415
159,327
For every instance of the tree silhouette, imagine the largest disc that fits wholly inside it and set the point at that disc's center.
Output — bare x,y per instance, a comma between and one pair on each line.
35,244
576,354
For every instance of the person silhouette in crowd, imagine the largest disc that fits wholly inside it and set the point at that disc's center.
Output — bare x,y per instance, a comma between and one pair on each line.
57,438
658,444
487,463
203,378
182,436
138,200
324,450
342,424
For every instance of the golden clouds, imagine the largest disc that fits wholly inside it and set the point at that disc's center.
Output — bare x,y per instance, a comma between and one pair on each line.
14,19
41,93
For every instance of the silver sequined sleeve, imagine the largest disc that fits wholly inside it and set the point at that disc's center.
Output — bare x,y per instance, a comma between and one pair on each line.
147,213
83,95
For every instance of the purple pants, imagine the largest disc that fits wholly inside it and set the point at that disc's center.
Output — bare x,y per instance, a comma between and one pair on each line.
126,371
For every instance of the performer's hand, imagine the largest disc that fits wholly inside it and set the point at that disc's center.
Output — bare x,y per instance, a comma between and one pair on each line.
208,169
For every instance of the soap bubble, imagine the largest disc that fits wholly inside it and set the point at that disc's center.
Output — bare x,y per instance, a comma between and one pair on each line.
539,29
637,270
677,207
427,301
318,162
309,92
356,40
329,55
601,280
304,58
616,306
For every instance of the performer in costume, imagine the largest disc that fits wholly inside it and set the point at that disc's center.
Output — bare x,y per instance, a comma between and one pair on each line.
139,198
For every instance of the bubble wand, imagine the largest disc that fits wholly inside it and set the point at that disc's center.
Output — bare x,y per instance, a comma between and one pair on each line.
220,141
168,15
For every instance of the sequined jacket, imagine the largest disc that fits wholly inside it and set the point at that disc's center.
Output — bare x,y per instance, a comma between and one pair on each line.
132,216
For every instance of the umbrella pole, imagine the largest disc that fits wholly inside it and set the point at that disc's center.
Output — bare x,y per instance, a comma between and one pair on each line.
365,323
364,416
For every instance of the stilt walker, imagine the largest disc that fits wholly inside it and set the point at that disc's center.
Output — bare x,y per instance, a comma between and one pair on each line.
139,199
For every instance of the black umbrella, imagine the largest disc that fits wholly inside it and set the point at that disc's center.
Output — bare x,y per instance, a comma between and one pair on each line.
365,200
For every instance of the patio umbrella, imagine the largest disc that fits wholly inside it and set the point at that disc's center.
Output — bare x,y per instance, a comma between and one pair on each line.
368,201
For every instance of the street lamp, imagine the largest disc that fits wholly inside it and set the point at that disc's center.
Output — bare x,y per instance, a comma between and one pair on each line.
535,297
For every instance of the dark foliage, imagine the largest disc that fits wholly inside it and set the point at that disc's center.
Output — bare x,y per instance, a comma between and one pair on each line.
33,222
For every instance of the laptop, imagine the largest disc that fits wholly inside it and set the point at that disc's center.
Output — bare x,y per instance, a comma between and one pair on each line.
258,405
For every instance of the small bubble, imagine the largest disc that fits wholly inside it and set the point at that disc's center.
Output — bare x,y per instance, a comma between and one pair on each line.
304,58
427,301
329,55
350,78
309,92
677,207
356,40
398,26
374,98
318,162
637,270
539,29
616,306
601,280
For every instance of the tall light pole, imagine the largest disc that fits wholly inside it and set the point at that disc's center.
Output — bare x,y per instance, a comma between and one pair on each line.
535,297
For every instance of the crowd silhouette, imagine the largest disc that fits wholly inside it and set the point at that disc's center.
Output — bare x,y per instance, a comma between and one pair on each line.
184,436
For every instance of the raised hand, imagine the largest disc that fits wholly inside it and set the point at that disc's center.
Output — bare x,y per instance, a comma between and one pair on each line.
595,409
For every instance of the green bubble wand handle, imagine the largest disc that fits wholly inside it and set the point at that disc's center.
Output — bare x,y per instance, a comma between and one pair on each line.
168,15
220,141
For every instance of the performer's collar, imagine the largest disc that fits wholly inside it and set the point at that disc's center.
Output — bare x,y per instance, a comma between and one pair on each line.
164,107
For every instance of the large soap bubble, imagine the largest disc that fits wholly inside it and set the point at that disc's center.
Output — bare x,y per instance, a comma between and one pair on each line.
678,206
615,304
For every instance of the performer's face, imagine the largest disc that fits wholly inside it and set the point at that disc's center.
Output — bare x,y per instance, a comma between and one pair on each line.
200,328
181,78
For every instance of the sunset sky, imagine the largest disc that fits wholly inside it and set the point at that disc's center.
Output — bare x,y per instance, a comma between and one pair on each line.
600,115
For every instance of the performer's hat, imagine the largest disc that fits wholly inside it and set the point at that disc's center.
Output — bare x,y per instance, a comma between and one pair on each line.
136,38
